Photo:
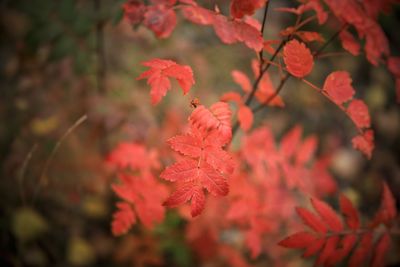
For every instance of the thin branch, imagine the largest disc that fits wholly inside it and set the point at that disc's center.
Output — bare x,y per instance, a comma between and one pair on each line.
43,179
275,94
260,54
333,37
21,175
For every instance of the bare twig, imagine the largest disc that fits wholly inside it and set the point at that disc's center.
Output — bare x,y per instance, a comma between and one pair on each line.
21,175
43,179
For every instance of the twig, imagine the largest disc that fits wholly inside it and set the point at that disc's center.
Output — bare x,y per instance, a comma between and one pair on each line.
275,94
22,173
42,179
262,33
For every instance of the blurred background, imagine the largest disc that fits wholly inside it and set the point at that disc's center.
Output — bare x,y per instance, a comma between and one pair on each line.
68,95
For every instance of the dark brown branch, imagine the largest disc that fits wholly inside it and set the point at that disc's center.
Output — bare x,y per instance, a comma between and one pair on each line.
260,54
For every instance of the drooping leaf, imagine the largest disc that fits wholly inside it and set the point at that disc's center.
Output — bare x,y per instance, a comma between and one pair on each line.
349,43
338,86
380,251
245,117
364,142
123,219
358,112
298,59
360,254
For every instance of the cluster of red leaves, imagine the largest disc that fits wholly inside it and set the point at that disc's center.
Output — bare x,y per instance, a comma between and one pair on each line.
158,74
265,92
160,17
338,89
205,163
332,242
139,189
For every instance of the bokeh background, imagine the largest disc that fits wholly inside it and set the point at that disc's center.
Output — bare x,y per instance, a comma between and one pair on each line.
68,95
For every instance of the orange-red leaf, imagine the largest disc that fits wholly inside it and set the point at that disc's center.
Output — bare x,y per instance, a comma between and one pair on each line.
181,171
387,211
245,117
349,43
160,19
347,208
364,142
158,74
328,250
241,79
328,215
298,59
338,86
187,145
123,219
240,8
358,112
344,248
314,248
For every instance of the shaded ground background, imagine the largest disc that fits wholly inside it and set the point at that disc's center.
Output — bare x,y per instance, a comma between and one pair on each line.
60,60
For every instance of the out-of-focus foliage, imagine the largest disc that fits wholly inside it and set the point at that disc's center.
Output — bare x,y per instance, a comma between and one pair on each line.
62,59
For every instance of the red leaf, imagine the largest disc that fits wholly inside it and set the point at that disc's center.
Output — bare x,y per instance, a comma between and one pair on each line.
328,250
364,142
212,180
245,117
240,8
198,15
358,112
308,37
123,219
160,19
291,141
387,211
134,11
187,145
360,254
186,192
349,43
219,159
298,240
311,220
381,249
314,248
232,96
158,74
347,208
338,86
344,248
298,58
328,215
182,171
393,65
306,150
241,79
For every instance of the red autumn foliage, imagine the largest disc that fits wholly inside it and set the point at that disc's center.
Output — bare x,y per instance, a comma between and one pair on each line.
252,185
332,243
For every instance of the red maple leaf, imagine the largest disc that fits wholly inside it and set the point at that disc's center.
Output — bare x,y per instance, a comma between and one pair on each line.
298,58
158,74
